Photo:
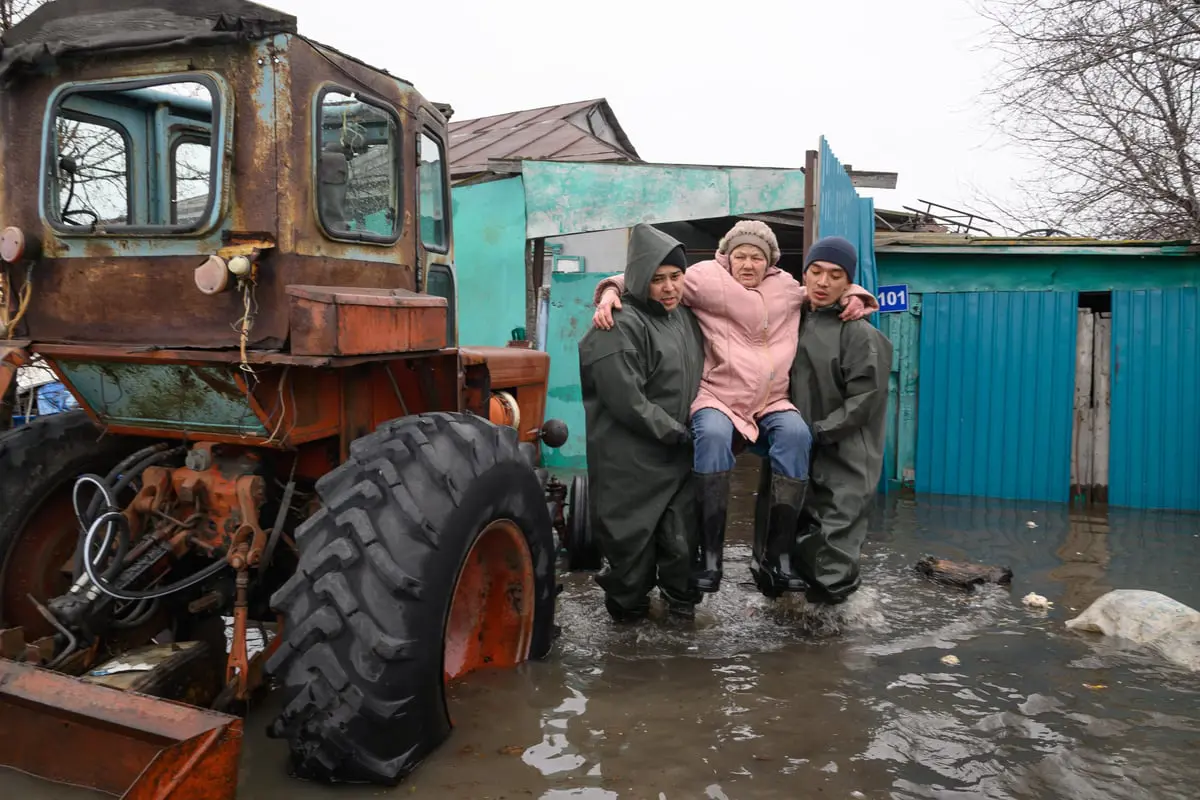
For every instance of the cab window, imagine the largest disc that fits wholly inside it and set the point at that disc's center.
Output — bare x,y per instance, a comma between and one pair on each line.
133,155
358,168
432,184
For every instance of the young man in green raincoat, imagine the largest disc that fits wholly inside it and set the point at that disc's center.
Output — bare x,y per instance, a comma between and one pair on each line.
638,380
839,383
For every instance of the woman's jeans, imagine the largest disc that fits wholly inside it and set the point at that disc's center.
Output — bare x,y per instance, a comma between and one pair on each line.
783,436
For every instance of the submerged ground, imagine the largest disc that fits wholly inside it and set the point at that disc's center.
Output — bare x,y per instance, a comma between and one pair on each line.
761,702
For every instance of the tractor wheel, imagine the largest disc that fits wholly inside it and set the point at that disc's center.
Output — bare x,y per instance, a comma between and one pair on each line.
583,553
432,556
39,462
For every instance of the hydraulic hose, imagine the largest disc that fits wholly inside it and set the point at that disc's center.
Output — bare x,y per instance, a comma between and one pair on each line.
128,594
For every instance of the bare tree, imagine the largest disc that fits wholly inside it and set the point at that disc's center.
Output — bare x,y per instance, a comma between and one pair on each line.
1106,94
11,11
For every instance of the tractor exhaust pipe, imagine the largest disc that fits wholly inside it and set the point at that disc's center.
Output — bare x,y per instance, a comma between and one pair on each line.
128,745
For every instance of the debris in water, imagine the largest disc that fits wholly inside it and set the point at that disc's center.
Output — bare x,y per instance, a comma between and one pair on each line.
1095,686
511,750
966,576
1035,600
1031,524
951,661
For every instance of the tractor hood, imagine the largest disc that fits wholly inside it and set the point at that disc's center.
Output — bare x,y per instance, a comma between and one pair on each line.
77,27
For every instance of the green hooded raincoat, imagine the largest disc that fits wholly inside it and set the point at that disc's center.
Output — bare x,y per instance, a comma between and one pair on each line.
639,379
839,383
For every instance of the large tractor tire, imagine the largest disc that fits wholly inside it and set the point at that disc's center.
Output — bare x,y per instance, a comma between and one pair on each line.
432,556
39,462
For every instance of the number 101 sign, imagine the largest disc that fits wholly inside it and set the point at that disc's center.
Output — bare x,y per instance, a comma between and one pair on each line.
892,298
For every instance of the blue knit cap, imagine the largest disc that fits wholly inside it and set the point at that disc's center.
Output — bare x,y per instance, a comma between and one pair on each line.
835,250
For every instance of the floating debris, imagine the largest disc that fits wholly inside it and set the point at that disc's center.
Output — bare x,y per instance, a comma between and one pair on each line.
951,661
1035,600
967,576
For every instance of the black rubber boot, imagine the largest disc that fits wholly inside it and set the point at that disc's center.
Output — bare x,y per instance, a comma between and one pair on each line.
680,609
771,565
625,616
712,506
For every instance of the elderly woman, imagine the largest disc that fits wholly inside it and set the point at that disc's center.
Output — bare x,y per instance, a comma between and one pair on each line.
749,312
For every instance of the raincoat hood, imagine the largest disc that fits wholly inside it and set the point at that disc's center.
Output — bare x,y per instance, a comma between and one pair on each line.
648,248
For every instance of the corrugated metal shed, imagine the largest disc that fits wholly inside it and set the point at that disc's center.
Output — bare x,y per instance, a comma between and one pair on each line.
583,131
996,387
1155,428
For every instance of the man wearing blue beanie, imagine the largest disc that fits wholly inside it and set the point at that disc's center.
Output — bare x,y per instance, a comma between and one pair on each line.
839,383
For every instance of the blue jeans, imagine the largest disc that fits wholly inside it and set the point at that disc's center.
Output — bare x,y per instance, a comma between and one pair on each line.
783,436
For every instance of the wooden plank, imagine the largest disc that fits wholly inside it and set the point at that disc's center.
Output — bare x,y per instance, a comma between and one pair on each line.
908,345
1081,450
1102,369
872,180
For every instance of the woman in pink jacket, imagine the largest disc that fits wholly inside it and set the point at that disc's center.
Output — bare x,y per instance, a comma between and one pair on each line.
749,311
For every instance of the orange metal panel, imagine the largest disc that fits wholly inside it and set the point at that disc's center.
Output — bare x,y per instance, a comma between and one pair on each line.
12,356
346,321
62,729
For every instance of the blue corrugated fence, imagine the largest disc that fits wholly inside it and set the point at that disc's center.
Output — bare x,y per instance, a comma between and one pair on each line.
996,388
1154,433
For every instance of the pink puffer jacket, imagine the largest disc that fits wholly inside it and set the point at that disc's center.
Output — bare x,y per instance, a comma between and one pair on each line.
750,338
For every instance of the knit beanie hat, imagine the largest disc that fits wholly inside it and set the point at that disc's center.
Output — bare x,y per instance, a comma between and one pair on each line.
835,250
755,232
675,258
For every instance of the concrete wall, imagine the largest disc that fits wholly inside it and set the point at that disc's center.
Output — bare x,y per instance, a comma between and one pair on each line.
489,260
603,251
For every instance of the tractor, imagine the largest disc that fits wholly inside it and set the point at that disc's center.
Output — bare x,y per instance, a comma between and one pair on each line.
233,245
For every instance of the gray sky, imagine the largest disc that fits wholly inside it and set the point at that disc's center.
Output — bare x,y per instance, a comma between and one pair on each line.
894,86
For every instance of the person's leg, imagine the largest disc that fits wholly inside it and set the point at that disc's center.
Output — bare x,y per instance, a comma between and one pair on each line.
675,541
628,576
789,448
712,442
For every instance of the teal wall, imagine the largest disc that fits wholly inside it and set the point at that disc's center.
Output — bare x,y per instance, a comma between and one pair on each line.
931,270
900,456
489,260
985,270
570,317
563,198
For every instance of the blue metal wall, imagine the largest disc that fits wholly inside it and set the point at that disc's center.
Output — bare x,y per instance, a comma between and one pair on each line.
1154,444
841,212
996,390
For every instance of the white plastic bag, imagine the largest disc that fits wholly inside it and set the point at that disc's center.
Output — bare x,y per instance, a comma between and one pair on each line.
1146,618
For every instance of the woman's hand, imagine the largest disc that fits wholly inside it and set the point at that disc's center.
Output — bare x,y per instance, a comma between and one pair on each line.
611,301
854,309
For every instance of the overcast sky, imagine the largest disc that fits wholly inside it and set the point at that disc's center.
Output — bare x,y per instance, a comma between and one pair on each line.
894,86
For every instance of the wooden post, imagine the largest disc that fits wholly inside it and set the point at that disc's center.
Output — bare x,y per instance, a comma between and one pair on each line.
1102,371
810,200
1081,452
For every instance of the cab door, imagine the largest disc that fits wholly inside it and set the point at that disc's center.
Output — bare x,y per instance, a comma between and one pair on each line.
434,237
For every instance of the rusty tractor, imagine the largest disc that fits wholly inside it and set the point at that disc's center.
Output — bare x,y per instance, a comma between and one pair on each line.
233,246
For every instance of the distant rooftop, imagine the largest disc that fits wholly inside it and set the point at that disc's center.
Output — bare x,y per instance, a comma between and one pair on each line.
583,131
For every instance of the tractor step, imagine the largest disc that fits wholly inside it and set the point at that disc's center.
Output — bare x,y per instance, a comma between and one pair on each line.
66,730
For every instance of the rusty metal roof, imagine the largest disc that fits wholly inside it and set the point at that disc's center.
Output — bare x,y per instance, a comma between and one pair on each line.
582,131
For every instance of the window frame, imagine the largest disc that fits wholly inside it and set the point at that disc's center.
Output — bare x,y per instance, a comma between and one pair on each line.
221,125
122,131
444,152
185,136
363,236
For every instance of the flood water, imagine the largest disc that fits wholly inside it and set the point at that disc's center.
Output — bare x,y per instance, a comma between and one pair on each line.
761,701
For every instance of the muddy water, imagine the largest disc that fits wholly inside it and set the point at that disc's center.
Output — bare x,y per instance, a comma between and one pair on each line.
787,703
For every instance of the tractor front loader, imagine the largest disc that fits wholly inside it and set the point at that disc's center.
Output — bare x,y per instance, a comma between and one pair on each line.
233,246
